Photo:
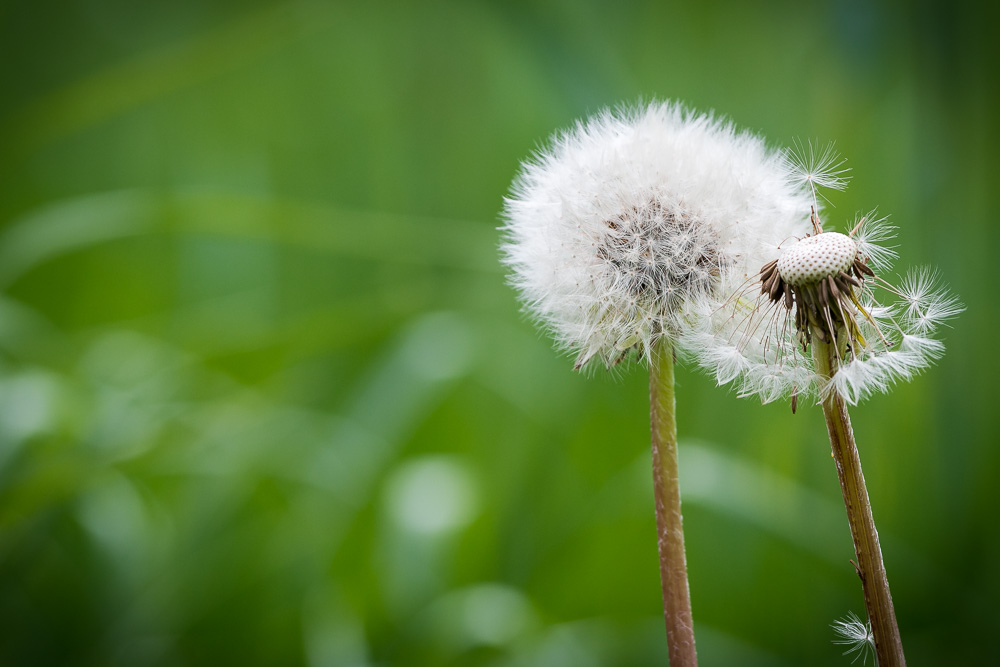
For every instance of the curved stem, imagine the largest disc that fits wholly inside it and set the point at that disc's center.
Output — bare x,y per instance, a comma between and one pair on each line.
878,600
669,523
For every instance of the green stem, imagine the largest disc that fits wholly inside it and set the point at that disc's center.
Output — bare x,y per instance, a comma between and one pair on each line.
878,600
669,523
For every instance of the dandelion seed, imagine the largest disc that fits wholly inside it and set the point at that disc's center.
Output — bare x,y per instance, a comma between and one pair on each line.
857,636
817,167
871,233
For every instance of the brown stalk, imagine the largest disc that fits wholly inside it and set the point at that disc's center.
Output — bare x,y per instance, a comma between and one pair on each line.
874,584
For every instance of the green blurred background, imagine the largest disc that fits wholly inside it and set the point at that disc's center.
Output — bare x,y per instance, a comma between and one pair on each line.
265,398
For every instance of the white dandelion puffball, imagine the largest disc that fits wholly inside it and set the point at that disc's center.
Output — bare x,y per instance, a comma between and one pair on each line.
632,224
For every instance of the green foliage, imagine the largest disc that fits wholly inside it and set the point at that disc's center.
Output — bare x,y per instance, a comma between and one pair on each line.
266,399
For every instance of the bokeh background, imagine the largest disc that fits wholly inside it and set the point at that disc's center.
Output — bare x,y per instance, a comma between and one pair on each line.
265,398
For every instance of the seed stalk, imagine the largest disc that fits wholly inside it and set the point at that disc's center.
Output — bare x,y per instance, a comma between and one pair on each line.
870,567
669,522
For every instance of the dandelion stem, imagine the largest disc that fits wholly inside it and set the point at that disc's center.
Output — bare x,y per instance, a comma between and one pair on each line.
669,523
878,600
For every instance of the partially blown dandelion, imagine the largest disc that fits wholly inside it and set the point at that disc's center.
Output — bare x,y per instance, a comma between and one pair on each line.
819,319
620,235
828,286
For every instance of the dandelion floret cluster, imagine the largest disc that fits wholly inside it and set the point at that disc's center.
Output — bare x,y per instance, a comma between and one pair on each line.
634,224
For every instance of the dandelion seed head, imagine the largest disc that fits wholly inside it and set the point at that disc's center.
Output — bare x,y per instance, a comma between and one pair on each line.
634,223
